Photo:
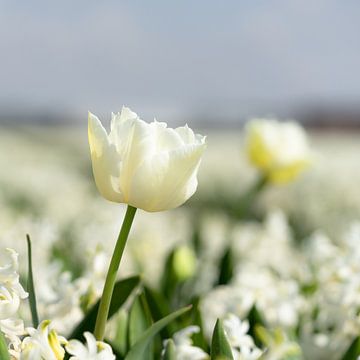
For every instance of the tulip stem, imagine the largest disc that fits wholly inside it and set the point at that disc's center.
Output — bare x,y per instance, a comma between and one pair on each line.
104,306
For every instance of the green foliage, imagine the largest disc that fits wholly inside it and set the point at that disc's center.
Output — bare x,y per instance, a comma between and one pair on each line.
255,320
226,267
122,291
169,353
220,347
353,351
138,351
159,308
139,321
31,287
4,353
196,319
121,337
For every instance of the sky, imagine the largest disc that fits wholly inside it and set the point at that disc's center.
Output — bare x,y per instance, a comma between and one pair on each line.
218,60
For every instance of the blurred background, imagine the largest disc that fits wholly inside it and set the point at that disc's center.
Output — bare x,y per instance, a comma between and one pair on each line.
208,63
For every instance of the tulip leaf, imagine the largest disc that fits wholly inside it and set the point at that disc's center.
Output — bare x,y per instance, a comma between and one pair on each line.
198,338
138,350
4,352
353,351
159,308
255,320
139,321
31,287
122,291
170,351
169,280
121,338
220,347
226,267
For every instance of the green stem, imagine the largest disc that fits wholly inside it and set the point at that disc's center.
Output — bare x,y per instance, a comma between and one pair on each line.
103,311
245,202
31,287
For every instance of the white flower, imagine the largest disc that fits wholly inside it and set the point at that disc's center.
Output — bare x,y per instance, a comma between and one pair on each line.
43,344
279,149
148,166
93,350
242,344
13,329
183,345
11,290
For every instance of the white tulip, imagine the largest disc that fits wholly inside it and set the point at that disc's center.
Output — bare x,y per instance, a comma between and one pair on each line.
279,149
146,165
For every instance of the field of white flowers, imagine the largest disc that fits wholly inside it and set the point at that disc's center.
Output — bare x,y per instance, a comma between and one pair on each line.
277,264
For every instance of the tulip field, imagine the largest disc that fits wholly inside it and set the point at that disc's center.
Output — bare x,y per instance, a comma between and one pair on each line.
140,241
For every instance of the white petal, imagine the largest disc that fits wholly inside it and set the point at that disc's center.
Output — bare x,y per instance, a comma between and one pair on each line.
166,180
105,161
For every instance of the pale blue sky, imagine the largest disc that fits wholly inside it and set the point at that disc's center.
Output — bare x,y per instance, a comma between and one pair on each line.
179,59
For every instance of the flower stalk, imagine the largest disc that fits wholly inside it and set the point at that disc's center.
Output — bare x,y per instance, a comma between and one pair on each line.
103,311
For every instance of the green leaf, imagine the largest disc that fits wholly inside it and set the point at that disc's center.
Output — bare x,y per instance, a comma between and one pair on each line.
353,351
159,308
220,347
138,350
4,352
255,320
121,340
198,338
122,290
169,280
31,287
139,321
226,267
169,353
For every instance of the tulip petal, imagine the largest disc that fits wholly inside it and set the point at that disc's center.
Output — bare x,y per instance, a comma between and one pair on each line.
105,162
166,180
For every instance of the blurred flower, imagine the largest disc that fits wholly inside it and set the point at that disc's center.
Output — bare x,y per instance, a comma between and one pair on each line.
93,350
184,347
278,345
13,329
279,149
43,344
242,344
11,290
147,166
184,262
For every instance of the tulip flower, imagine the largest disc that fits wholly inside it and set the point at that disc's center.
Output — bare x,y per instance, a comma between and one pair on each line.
279,149
145,165
148,166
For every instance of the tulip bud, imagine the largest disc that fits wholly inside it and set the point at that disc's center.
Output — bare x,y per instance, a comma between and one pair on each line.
146,165
279,149
184,262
